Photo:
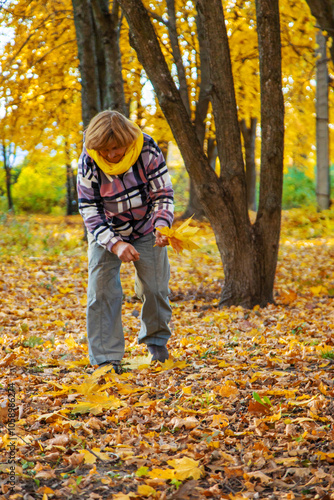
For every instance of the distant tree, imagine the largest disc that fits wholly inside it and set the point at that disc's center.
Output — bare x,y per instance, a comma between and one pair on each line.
98,32
323,11
322,126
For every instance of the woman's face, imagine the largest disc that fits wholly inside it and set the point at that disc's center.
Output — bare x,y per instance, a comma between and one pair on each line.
113,154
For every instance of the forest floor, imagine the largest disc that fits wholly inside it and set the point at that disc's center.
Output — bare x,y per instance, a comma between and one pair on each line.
243,409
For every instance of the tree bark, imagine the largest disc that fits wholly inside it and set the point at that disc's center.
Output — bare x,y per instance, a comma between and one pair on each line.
322,130
249,136
323,11
71,194
248,253
83,20
8,177
268,221
108,31
194,207
173,36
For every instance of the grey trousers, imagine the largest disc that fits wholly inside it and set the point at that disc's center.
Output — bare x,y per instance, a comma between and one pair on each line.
104,299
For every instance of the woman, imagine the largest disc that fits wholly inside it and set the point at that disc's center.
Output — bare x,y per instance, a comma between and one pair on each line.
125,194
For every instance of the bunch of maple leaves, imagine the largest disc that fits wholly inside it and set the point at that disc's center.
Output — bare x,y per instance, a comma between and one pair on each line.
243,409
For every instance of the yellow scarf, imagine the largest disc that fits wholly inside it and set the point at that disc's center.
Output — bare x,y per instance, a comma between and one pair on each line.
129,159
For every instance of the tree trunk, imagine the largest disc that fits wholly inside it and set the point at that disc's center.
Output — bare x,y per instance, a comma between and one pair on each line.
323,11
173,36
112,85
322,130
249,254
88,67
268,221
249,136
8,178
71,196
194,207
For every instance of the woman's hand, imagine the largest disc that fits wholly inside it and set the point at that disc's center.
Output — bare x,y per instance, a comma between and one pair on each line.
125,251
160,239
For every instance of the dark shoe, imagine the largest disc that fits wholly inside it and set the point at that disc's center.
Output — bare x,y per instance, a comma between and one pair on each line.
159,352
116,365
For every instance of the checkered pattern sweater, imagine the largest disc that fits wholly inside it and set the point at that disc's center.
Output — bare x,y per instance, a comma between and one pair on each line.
128,206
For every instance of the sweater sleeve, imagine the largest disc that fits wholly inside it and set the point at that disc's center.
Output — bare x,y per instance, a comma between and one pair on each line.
161,189
90,203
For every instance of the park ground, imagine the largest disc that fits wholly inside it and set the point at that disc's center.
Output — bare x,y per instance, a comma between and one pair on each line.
244,408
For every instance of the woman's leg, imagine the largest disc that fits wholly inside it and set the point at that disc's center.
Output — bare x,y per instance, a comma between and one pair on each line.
104,305
151,282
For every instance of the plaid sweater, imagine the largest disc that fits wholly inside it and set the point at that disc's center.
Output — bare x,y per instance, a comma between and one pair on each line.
128,206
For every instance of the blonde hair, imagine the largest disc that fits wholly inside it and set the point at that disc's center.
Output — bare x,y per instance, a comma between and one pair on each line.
108,129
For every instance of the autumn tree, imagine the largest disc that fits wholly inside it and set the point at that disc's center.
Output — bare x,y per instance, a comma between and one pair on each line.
323,11
248,251
38,82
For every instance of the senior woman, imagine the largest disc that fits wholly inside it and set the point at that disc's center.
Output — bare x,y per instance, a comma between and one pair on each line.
125,194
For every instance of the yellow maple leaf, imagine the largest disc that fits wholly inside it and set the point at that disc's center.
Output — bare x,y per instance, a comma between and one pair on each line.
180,238
162,473
146,491
139,362
91,458
96,404
324,456
185,468
228,390
170,363
88,456
220,419
318,290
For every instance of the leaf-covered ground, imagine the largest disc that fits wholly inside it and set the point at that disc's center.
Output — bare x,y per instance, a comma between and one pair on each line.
244,409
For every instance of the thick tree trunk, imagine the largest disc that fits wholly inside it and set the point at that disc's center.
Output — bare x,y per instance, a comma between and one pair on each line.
323,11
232,225
83,20
249,136
268,221
322,130
194,207
112,85
248,260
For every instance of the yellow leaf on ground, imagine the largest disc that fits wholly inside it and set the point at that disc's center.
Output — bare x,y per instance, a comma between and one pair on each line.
139,362
91,458
185,468
122,496
96,404
162,473
325,456
145,491
228,390
319,290
220,419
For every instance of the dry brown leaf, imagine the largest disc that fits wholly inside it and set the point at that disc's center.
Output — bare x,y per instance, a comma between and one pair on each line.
187,423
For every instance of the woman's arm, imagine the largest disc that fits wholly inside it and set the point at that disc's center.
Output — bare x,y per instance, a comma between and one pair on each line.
90,204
